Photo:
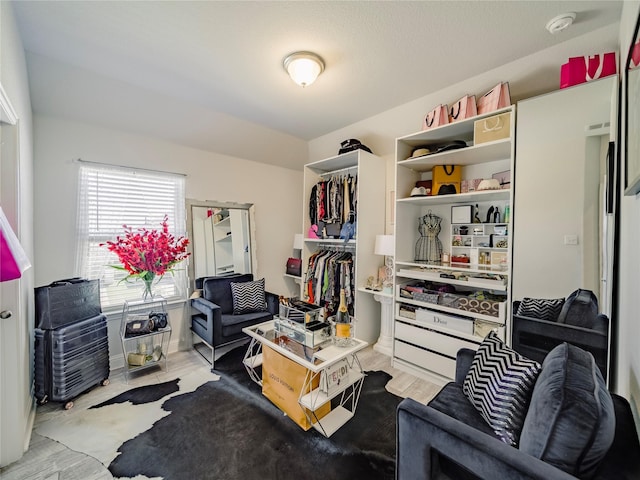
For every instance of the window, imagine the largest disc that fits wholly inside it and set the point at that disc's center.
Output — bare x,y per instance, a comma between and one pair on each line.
110,197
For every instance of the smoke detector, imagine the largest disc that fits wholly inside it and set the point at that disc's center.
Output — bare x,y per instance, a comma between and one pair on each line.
560,23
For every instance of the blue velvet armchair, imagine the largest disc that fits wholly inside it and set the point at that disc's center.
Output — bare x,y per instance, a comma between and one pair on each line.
448,439
213,318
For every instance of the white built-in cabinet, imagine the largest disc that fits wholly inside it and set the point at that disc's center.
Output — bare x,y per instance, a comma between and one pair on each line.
564,230
371,172
430,327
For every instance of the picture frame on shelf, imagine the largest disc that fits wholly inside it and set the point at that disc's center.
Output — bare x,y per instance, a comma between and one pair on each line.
504,178
461,213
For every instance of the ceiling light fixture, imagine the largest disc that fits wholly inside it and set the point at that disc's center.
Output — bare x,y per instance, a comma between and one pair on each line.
560,23
303,67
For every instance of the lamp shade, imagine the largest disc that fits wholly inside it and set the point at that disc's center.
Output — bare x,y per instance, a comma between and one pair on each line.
297,241
384,245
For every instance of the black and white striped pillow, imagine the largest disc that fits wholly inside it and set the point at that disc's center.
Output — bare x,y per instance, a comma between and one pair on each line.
541,308
499,385
248,297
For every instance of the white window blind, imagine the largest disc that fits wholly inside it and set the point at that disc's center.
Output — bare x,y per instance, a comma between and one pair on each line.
110,197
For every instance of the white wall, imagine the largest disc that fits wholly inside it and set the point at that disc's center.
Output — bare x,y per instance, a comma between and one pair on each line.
17,408
275,192
629,274
379,133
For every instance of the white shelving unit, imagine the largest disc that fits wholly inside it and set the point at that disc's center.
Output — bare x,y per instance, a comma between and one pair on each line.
154,346
370,217
426,344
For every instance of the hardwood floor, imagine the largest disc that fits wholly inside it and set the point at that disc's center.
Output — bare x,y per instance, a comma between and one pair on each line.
49,460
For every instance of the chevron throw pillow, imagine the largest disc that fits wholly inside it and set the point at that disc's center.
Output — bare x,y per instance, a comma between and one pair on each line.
248,297
541,308
499,385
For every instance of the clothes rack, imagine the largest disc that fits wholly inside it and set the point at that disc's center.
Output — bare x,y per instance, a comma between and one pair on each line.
353,171
329,271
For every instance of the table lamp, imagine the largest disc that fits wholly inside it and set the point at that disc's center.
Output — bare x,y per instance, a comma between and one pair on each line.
298,243
385,246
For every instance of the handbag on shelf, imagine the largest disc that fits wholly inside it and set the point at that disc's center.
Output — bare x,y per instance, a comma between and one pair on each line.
496,98
436,117
294,267
463,109
579,70
447,176
138,325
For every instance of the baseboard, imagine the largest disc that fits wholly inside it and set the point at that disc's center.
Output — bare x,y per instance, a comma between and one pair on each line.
31,419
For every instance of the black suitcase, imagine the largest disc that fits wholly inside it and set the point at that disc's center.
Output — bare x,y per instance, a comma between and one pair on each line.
66,301
71,359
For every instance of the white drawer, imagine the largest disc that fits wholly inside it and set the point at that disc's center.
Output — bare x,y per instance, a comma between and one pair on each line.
432,340
429,361
462,324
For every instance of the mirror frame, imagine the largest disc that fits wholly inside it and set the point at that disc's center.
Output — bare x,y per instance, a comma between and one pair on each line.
632,119
190,203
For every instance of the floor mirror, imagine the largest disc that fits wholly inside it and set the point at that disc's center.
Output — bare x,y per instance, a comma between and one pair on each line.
222,238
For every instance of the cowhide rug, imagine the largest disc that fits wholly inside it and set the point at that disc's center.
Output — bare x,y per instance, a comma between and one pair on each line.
220,426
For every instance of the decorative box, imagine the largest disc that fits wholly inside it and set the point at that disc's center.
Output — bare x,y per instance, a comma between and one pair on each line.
481,328
428,297
492,128
454,322
485,307
301,312
309,334
334,376
407,311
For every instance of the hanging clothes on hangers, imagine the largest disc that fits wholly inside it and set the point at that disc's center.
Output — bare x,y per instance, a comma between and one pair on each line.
333,200
328,271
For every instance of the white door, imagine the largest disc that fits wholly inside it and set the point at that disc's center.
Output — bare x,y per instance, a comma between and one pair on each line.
15,375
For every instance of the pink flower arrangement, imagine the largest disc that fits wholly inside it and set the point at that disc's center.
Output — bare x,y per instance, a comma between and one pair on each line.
146,254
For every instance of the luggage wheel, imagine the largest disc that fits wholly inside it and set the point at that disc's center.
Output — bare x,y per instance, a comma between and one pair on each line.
43,400
68,405
105,382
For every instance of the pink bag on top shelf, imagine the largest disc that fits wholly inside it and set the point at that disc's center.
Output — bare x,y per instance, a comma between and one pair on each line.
463,108
436,117
579,70
496,98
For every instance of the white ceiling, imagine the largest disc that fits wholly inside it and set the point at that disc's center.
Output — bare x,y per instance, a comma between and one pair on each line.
223,59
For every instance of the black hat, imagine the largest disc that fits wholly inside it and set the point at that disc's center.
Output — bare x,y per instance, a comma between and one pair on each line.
351,145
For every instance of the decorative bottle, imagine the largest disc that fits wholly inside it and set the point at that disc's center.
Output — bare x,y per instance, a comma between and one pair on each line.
343,322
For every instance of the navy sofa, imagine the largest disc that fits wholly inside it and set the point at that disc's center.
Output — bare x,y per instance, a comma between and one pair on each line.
448,439
213,319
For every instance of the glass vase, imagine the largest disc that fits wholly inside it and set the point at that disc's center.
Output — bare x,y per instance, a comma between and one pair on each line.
147,293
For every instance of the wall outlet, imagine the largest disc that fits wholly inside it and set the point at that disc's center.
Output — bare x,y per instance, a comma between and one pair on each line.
570,239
